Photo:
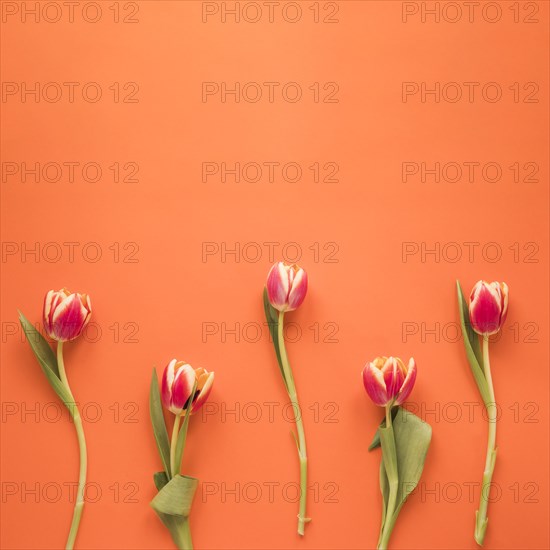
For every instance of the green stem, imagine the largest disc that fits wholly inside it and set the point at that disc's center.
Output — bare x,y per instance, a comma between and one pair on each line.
186,535
175,430
481,514
79,505
390,463
302,452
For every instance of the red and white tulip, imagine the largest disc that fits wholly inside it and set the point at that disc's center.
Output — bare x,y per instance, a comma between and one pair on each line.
388,381
286,286
488,307
66,314
178,381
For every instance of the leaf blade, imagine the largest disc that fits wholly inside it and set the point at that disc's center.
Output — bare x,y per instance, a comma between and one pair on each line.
471,344
157,420
176,497
272,319
412,440
47,361
40,347
376,437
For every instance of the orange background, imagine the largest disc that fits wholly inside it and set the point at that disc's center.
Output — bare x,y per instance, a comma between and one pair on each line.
170,301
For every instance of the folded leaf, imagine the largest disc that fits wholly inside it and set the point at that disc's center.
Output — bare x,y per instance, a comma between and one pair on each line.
376,438
471,344
412,440
176,497
47,361
272,319
159,426
175,525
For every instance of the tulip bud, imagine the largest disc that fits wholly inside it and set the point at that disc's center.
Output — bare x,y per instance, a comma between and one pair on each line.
388,381
178,380
488,307
66,314
286,286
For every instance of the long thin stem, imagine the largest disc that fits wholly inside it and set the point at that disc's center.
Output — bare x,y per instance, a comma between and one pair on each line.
481,514
79,505
390,464
302,452
173,445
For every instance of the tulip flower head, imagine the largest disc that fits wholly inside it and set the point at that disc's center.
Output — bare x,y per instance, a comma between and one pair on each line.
388,381
488,307
66,314
286,286
178,380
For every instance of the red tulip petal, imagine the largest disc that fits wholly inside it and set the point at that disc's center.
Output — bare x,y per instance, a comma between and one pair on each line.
485,308
277,286
393,377
373,380
408,384
166,384
69,318
298,290
202,395
182,387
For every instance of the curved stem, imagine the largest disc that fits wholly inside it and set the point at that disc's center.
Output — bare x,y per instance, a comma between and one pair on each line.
175,430
301,440
481,514
79,505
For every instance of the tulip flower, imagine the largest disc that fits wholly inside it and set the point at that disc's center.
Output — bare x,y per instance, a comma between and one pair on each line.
285,290
487,312
184,390
388,381
488,307
66,314
178,381
286,286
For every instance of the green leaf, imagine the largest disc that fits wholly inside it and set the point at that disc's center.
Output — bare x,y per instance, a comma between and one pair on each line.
412,440
176,497
376,438
175,525
473,337
272,318
169,499
47,361
39,345
160,479
159,426
471,344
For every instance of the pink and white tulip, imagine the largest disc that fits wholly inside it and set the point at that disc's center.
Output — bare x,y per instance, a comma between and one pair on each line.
178,380
488,307
388,381
286,286
66,314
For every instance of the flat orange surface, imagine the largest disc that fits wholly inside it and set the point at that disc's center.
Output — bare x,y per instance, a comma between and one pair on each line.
387,148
